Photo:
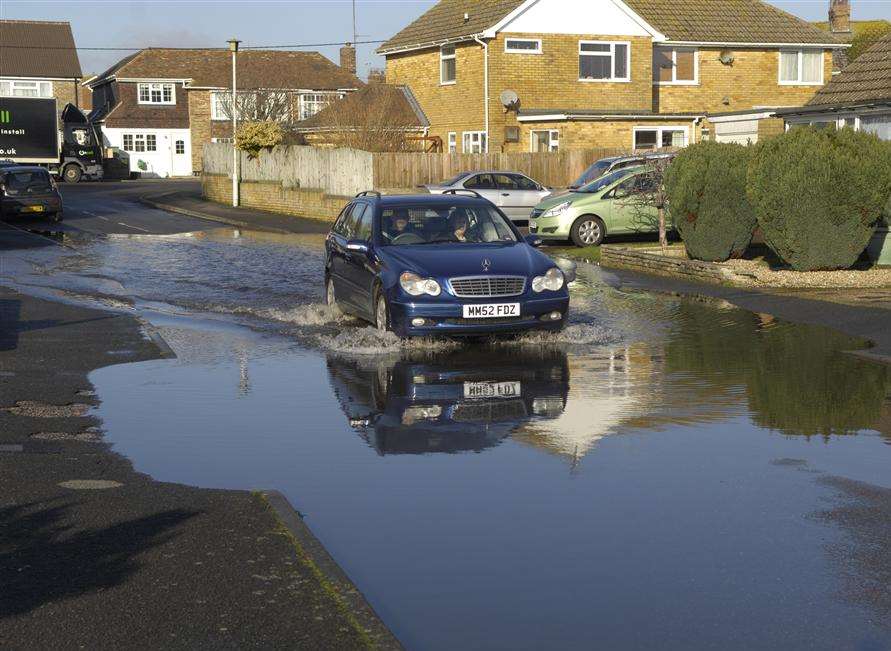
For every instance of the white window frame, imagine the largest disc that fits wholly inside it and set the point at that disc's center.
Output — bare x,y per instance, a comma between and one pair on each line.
476,139
160,86
319,101
139,140
453,142
553,139
800,54
227,141
42,88
659,132
674,67
510,50
176,143
443,57
216,109
612,54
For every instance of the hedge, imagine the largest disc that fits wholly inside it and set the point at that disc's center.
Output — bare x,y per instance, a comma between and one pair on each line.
819,193
706,186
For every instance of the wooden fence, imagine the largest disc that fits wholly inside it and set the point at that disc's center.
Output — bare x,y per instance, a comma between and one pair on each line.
345,172
340,172
553,169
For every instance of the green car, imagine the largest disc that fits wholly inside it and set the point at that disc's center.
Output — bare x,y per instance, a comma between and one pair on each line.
610,205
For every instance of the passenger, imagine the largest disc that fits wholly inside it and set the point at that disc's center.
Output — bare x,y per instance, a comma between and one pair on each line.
458,226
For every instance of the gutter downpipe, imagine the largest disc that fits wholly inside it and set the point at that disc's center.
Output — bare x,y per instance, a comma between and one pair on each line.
485,85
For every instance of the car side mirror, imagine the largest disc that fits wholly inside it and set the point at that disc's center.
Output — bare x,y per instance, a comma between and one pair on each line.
357,246
534,241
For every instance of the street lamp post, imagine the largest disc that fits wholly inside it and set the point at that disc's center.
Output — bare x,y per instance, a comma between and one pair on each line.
233,48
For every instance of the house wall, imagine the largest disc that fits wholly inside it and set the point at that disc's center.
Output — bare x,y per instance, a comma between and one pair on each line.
457,107
612,134
131,114
199,124
752,80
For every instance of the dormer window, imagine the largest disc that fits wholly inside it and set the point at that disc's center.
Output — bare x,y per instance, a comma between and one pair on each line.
156,94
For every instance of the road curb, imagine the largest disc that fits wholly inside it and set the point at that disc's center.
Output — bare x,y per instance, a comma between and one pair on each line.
153,202
331,573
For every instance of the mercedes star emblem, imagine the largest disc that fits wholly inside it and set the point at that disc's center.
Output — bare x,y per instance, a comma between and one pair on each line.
486,264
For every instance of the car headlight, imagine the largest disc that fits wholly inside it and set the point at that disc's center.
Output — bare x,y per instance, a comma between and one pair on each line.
414,285
553,281
547,407
557,210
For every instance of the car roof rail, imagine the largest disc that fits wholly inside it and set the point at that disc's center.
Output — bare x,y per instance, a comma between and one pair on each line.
473,193
366,193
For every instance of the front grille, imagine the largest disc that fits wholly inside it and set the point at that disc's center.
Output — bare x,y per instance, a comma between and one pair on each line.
487,286
490,321
489,412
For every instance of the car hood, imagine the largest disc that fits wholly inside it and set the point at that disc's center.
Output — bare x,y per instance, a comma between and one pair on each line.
572,197
451,260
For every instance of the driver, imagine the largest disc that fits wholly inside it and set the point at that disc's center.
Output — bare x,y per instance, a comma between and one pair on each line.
458,226
399,225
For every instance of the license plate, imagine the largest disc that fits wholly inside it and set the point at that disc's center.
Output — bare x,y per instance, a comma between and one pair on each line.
491,311
32,209
492,390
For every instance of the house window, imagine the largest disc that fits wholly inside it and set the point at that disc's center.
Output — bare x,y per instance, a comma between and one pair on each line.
603,61
801,67
474,142
659,137
522,45
219,105
180,147
156,94
879,125
223,140
448,71
312,103
453,142
140,142
545,140
22,88
673,65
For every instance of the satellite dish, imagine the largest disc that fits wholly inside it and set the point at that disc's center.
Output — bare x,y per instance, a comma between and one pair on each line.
509,99
726,57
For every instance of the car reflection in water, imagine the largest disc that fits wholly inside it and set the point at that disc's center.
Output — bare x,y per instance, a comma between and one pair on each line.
448,402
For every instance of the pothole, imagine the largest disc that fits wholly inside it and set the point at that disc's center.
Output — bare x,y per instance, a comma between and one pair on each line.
42,410
90,484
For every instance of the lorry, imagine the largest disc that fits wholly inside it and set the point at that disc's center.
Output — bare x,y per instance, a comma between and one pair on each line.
30,135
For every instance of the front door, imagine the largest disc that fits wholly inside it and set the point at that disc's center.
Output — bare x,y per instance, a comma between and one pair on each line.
358,269
484,185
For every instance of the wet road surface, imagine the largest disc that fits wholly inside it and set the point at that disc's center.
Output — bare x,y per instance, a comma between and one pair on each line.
667,473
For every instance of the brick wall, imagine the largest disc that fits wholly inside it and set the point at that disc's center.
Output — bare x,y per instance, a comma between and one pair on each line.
199,125
65,92
752,80
271,196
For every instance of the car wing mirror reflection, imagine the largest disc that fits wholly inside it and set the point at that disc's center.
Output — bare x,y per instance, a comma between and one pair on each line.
357,246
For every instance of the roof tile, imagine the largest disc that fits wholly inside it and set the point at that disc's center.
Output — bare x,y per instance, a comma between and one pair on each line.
868,78
33,48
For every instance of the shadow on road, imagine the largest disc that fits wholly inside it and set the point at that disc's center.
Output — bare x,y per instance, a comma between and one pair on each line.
43,561
11,324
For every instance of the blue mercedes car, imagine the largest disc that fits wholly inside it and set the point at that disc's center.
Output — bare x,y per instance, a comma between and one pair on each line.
450,264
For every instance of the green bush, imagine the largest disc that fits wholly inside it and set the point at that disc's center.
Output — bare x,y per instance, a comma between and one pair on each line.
819,193
256,136
706,186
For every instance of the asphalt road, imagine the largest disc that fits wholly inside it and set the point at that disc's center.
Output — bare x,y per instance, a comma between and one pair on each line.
113,207
94,554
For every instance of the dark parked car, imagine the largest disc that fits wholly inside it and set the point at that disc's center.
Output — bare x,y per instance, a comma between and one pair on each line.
440,264
27,191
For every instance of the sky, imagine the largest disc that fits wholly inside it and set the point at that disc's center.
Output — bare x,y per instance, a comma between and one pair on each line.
210,23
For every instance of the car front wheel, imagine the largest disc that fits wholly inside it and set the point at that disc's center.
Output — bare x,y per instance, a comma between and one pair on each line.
587,230
381,314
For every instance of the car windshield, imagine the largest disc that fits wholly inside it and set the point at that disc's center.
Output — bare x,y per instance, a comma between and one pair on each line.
454,180
27,181
603,182
594,172
455,224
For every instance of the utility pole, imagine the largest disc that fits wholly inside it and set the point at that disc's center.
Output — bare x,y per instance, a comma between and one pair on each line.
233,48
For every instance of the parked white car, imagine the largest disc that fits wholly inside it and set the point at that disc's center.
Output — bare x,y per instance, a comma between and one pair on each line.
514,193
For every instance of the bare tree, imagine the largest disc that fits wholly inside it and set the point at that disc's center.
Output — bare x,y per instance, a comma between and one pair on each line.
645,195
261,105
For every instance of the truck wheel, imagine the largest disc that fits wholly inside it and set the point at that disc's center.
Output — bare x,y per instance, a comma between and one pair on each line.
72,174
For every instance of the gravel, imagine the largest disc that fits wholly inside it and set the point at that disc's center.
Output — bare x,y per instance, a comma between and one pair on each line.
757,274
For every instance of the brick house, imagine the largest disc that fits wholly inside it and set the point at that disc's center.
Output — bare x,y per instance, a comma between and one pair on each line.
39,59
541,75
161,106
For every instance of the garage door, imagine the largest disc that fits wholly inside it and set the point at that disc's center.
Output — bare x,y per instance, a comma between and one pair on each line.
741,131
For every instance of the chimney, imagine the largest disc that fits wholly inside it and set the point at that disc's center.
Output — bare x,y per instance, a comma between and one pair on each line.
840,26
348,58
840,17
377,76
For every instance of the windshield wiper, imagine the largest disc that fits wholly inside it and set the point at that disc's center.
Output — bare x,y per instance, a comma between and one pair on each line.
440,241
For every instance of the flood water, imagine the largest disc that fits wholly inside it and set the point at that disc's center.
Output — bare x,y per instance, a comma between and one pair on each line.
667,474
